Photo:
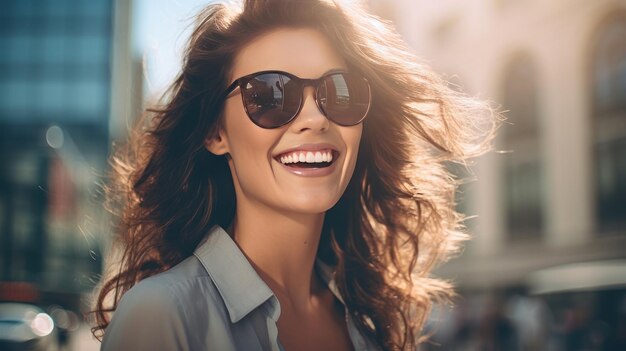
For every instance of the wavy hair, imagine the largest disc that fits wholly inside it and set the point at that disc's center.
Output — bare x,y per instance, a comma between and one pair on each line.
394,222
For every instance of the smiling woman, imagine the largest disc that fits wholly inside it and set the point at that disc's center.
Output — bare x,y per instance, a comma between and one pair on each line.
290,192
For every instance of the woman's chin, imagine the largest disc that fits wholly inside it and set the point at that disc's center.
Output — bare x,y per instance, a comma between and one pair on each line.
312,204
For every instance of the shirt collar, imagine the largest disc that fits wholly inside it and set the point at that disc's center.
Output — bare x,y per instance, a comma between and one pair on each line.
328,276
239,285
241,288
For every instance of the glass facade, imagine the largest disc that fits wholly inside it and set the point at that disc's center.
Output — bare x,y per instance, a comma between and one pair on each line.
55,59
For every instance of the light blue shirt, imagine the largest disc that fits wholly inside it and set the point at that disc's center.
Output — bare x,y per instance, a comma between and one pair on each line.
213,300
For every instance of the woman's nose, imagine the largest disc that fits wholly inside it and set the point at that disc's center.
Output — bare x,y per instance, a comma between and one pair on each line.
310,116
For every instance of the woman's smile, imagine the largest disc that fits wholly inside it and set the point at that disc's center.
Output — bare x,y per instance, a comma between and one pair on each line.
309,160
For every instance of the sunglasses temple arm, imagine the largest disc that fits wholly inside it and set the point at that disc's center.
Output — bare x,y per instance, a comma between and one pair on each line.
233,92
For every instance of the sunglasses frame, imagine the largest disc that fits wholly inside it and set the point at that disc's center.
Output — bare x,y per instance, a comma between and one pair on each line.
304,82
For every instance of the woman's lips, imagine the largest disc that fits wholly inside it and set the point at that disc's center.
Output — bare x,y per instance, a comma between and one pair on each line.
308,162
309,159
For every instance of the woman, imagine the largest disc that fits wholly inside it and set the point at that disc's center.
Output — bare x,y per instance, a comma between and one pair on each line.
291,193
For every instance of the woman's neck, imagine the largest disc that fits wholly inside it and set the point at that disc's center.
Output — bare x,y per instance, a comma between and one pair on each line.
282,248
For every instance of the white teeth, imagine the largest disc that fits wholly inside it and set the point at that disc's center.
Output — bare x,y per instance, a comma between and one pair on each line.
308,157
318,157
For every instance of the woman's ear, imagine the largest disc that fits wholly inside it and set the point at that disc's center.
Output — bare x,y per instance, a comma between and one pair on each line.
217,144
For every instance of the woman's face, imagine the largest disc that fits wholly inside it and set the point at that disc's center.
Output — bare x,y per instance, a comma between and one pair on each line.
260,178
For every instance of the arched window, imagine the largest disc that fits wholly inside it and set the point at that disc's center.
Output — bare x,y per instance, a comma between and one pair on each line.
521,137
609,119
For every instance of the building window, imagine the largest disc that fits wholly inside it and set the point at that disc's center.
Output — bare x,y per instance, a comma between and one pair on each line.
521,139
609,120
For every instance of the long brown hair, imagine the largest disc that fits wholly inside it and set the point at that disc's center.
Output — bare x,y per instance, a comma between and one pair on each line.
394,222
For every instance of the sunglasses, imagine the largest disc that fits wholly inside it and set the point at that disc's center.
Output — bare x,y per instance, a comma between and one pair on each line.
274,98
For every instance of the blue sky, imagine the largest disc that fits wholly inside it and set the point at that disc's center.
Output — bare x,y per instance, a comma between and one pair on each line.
160,31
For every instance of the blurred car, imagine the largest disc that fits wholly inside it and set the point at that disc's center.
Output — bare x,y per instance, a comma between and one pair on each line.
25,326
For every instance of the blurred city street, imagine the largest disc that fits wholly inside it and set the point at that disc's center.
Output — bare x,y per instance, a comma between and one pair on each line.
546,266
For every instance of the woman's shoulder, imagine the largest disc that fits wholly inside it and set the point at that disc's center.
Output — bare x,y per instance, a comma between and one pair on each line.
174,288
165,309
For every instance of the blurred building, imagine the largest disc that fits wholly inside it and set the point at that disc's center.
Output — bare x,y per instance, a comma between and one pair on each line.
551,202
556,191
59,63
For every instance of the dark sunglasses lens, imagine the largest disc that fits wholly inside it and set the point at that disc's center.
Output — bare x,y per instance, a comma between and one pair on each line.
345,98
271,99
